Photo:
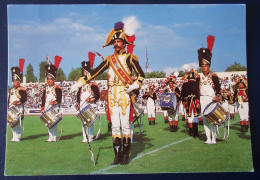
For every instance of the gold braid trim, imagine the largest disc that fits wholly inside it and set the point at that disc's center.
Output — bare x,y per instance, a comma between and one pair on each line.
116,136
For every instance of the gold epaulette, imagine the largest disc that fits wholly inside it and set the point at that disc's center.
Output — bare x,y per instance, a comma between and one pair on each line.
134,57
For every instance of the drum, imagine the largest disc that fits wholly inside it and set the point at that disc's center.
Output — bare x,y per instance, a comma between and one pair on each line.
215,113
87,115
13,116
50,117
137,111
168,101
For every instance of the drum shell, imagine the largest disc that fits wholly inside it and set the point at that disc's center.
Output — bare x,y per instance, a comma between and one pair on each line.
13,116
50,117
87,115
168,101
218,115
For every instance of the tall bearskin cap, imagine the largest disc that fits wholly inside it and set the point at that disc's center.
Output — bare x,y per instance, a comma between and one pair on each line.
241,80
117,33
17,72
205,54
52,69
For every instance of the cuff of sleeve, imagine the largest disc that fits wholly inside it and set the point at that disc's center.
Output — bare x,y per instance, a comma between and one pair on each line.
197,101
42,109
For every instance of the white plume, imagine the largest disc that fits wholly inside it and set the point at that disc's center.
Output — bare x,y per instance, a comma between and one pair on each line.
130,25
176,73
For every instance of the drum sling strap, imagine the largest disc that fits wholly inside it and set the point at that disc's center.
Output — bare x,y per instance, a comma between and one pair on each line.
226,130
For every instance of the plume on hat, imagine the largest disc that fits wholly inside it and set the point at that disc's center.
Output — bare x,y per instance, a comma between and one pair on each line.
91,58
210,42
57,60
21,64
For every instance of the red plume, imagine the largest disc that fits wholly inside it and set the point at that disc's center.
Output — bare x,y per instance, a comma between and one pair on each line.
21,64
130,48
57,60
210,42
131,38
91,58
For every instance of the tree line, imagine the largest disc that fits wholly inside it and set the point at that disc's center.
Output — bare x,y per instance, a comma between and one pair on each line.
75,74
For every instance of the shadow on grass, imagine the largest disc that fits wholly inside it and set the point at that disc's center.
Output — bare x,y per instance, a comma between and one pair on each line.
105,136
70,136
34,136
141,143
99,150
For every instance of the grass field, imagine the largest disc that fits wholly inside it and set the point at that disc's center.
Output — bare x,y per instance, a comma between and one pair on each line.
156,150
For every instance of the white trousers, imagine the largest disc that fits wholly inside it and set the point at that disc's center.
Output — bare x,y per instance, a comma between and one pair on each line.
17,132
243,111
231,108
192,119
151,110
172,116
210,130
119,109
52,133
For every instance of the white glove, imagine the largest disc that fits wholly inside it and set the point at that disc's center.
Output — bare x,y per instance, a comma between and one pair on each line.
75,87
132,87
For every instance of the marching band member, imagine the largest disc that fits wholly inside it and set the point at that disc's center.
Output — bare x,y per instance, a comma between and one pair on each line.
120,85
16,98
170,88
52,94
224,98
150,98
231,106
190,96
241,99
87,94
209,88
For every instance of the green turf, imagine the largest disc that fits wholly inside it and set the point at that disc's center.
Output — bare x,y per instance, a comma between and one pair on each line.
156,150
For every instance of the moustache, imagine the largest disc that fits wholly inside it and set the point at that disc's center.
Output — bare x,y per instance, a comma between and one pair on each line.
116,47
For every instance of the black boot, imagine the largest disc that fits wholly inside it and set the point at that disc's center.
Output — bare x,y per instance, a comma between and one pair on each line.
242,128
109,126
183,118
175,128
166,120
191,132
246,128
126,150
195,130
117,150
171,129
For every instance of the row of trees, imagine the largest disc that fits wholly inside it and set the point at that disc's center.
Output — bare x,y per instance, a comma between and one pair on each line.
76,73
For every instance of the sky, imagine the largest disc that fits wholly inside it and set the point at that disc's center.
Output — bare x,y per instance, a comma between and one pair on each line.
172,34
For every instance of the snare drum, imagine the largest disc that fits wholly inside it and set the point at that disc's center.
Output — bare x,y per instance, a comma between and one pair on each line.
137,111
215,113
50,117
13,116
87,115
168,101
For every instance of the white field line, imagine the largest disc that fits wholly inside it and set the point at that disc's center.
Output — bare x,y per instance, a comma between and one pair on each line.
147,153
